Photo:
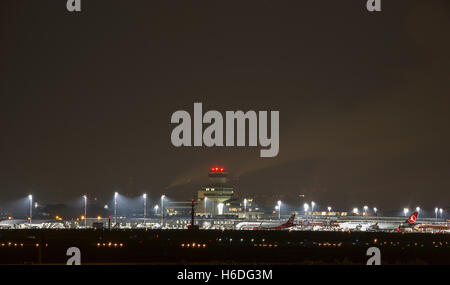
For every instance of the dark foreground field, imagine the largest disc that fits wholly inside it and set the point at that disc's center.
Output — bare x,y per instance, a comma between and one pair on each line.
219,247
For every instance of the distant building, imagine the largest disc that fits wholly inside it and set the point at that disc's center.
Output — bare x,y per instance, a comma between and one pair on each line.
180,208
243,209
211,198
325,213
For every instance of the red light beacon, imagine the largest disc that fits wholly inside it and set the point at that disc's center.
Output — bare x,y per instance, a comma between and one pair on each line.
217,169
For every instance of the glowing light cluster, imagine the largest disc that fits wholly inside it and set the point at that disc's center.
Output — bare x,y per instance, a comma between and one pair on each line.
193,245
217,169
110,244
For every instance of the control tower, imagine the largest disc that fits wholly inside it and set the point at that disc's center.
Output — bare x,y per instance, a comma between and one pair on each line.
211,197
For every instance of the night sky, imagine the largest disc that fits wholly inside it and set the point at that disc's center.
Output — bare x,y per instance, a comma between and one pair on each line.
364,99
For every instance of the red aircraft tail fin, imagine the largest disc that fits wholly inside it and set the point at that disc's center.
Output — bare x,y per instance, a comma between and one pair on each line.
412,219
290,222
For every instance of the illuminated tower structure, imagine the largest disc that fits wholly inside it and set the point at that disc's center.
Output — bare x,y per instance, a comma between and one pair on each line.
211,198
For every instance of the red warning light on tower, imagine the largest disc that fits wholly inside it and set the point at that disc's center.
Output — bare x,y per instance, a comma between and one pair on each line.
217,169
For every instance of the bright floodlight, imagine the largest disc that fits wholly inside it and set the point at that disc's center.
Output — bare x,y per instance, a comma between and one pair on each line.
279,209
441,210
115,207
220,208
85,210
418,209
305,207
375,210
355,210
329,209
145,205
405,211
435,210
30,197
245,202
162,209
365,208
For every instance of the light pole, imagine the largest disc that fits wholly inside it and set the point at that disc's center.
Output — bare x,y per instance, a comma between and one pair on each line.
435,212
375,210
156,209
279,209
145,206
312,206
329,209
365,209
85,210
417,209
206,200
115,207
30,197
441,211
162,209
245,208
405,211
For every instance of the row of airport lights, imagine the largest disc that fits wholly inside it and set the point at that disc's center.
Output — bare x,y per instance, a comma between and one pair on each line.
116,195
277,207
436,210
355,210
144,197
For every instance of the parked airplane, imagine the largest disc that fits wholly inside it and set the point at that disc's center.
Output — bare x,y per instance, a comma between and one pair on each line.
409,224
266,225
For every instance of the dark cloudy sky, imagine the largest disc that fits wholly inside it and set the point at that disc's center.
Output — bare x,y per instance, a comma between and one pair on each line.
86,99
